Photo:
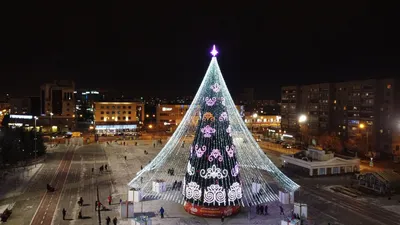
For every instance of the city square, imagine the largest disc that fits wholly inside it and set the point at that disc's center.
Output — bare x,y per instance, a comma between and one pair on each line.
169,115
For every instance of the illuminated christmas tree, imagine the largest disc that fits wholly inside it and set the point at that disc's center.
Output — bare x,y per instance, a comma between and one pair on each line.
212,176
222,168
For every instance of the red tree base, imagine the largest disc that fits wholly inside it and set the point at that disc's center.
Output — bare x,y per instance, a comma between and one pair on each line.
209,211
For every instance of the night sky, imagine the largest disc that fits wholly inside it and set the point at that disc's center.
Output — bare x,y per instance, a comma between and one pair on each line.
163,48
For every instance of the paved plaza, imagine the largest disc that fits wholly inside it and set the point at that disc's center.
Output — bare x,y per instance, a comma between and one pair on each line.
80,181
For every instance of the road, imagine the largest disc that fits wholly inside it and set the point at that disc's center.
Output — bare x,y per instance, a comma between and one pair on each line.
335,207
46,209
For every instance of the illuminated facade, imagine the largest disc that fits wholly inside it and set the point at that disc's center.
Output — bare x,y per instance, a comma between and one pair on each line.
169,116
4,109
264,121
366,110
57,99
112,116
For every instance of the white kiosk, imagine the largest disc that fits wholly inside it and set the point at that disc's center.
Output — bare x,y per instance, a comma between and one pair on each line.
159,186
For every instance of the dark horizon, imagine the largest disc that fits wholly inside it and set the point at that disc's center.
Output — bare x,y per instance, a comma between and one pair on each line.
164,51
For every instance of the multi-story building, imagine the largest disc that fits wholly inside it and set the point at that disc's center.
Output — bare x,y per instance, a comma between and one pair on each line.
84,101
57,98
25,105
118,116
315,101
168,116
366,109
290,107
4,109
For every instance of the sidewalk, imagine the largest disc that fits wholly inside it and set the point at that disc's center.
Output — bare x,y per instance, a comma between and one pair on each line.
13,182
123,171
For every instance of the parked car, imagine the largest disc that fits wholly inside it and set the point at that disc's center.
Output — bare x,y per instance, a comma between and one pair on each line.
287,146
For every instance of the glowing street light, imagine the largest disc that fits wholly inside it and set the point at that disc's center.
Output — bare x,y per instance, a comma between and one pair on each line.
302,118
150,126
362,126
255,115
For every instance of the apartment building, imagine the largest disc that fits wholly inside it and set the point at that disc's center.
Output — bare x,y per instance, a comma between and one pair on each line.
290,108
315,101
366,108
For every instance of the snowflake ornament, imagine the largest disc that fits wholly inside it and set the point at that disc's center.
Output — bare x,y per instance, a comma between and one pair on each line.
216,87
211,101
190,169
200,151
207,131
223,116
208,116
235,170
223,101
193,191
215,154
234,192
215,194
230,150
214,172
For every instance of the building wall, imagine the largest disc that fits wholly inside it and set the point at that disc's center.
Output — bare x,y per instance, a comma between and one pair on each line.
107,113
290,102
342,107
169,116
58,98
315,104
253,121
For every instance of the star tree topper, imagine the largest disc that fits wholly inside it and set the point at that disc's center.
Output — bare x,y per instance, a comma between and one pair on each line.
214,52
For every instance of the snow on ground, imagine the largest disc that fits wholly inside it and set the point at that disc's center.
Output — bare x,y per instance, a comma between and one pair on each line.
124,171
15,181
392,205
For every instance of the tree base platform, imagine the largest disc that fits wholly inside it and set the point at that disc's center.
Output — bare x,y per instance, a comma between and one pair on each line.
211,212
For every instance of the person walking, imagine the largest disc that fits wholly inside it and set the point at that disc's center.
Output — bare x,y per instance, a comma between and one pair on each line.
64,212
115,221
162,212
281,208
108,220
222,217
106,167
125,158
109,200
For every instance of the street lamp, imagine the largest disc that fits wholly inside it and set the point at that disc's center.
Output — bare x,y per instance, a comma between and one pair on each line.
302,119
362,126
36,118
51,121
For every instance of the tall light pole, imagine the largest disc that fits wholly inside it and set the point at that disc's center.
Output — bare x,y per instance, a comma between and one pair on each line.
362,126
51,121
302,119
36,118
